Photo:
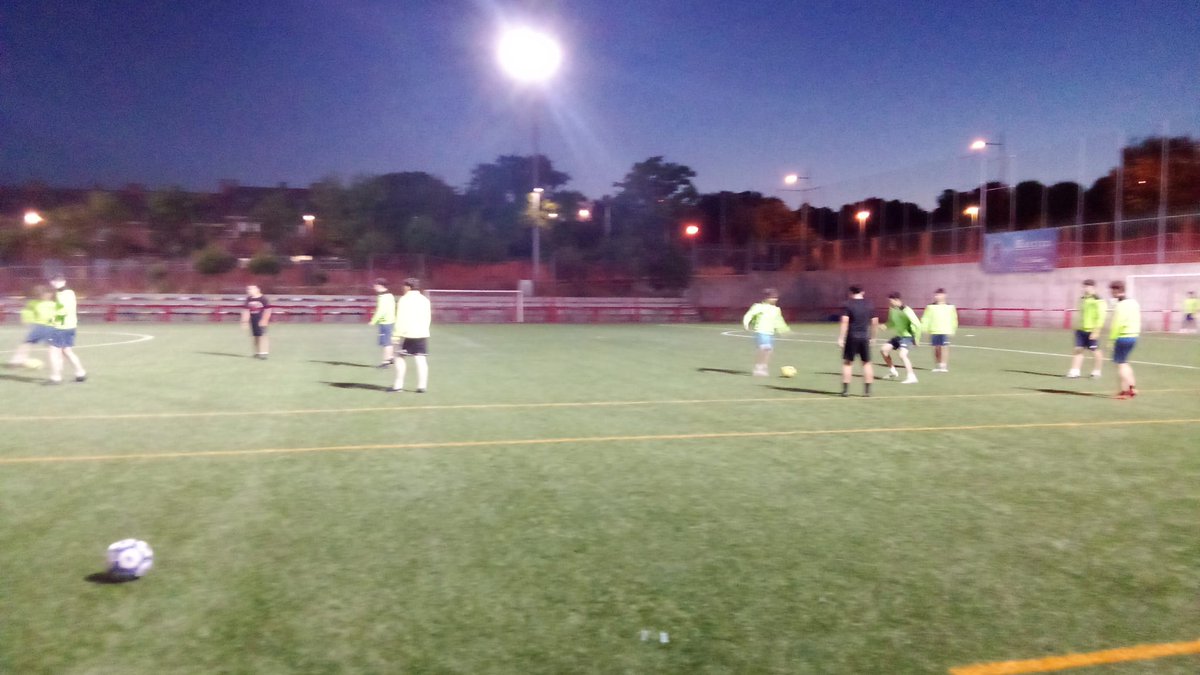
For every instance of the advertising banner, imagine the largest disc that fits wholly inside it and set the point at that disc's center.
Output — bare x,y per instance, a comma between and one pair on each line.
1025,251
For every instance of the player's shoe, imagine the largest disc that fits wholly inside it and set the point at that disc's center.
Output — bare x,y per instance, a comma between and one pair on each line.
81,378
1095,374
761,371
911,379
420,391
1124,395
394,390
892,374
941,368
1072,374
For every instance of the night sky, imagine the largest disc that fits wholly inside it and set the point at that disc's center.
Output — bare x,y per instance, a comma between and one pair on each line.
870,97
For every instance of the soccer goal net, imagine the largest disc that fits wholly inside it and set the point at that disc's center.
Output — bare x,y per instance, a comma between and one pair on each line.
1161,297
470,306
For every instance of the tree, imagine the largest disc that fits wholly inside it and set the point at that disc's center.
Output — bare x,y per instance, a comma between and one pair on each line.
279,218
173,229
500,193
1143,169
653,197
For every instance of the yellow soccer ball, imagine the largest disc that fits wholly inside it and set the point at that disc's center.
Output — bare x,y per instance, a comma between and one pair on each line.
787,371
33,364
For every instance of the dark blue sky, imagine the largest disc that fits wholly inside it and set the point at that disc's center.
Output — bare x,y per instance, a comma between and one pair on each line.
870,97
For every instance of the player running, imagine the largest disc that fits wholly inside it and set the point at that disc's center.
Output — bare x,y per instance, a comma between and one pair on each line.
765,319
859,324
385,318
62,339
38,314
1126,326
940,321
1191,306
905,325
1089,320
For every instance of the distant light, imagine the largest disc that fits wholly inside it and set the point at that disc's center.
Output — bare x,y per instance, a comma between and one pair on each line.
538,190
308,218
862,216
979,144
302,258
971,211
552,215
790,179
1141,182
529,56
585,214
33,218
691,230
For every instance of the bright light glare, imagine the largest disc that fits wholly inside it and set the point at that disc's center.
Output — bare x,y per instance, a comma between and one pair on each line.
32,218
691,230
979,144
971,211
791,179
585,214
528,55
308,218
862,215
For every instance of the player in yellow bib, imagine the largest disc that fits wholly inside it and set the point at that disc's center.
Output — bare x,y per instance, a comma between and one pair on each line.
1126,326
39,315
1191,307
765,319
62,341
940,321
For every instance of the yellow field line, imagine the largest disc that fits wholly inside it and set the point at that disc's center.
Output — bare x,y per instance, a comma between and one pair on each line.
1085,660
581,439
511,406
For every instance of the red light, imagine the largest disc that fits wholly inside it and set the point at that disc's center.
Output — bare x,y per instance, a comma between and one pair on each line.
691,230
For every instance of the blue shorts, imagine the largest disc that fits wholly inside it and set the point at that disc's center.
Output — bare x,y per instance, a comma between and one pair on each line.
39,333
764,340
1083,340
899,342
62,338
1189,318
385,334
1122,347
939,340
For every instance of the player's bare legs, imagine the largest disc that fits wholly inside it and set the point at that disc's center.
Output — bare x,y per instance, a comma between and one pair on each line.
909,375
422,371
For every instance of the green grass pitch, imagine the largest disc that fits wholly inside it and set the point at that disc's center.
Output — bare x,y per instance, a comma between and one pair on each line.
561,489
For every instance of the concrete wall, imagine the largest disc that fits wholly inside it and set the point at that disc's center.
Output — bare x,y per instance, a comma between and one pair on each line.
966,285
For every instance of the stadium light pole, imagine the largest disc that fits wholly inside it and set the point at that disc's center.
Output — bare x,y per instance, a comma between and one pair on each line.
531,57
794,179
981,145
862,217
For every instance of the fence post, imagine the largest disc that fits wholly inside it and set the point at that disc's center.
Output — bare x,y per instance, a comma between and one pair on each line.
1028,314
1166,321
987,321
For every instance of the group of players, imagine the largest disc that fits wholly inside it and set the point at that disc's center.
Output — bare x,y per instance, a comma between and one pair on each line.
52,315
404,321
859,326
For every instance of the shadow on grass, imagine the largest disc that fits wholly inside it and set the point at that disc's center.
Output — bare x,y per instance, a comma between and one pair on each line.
106,579
22,378
723,371
1066,392
342,363
357,385
802,390
236,356
1033,372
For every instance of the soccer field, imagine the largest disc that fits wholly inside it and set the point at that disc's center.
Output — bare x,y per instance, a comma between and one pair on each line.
562,489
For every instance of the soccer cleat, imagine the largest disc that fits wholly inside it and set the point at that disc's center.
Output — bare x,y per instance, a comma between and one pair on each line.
893,373
760,371
845,393
81,378
1072,374
420,391
394,390
942,368
1095,374
911,379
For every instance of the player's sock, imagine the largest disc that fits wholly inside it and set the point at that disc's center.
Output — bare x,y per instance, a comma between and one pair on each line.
867,389
400,370
422,372
845,389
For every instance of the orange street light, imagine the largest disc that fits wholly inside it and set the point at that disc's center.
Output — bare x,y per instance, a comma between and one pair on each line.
33,218
691,230
972,211
862,217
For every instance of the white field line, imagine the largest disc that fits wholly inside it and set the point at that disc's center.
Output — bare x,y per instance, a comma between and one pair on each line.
828,340
137,337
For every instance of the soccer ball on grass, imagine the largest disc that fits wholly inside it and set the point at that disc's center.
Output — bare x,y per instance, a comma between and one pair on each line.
32,363
129,559
787,371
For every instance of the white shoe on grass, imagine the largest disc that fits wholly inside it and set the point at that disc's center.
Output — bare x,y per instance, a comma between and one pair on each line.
911,379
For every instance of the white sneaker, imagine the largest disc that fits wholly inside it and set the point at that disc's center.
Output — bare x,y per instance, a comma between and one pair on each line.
1095,374
759,371
943,368
892,373
911,379
1072,374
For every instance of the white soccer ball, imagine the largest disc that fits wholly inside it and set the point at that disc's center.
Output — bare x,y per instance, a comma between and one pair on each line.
32,363
130,559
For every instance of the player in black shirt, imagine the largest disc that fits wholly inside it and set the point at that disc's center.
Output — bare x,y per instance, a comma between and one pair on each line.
859,324
256,313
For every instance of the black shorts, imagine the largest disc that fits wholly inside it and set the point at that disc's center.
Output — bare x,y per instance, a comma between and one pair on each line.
256,328
860,347
414,346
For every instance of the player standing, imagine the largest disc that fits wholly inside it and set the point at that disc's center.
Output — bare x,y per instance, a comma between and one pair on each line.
765,319
1191,305
1089,320
859,324
256,313
62,340
940,321
38,314
1126,326
385,318
907,329
413,316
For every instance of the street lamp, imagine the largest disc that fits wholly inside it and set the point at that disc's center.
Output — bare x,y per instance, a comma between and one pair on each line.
308,219
531,57
972,211
33,219
793,179
584,214
862,217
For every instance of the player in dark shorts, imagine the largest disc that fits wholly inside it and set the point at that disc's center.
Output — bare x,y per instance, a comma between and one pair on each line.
256,313
859,324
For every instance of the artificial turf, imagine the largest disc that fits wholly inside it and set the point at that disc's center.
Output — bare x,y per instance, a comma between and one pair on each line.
561,489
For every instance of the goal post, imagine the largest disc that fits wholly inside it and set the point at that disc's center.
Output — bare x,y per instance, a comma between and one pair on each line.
477,305
1161,297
